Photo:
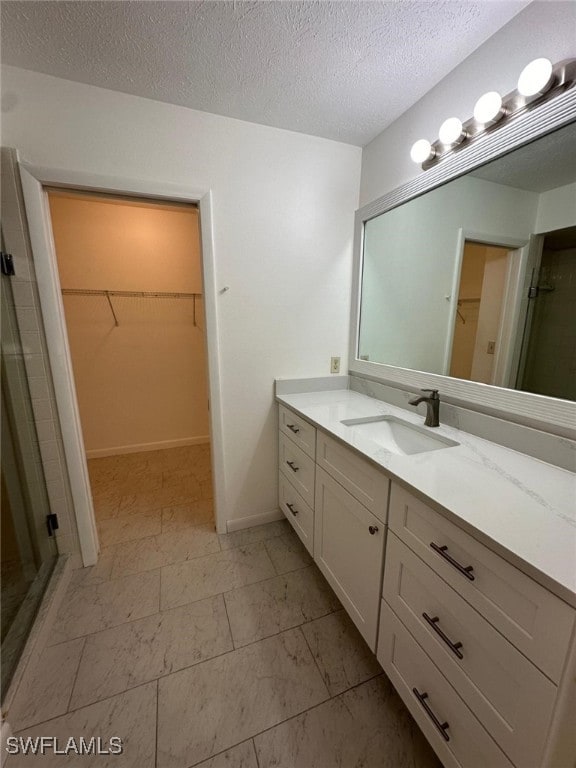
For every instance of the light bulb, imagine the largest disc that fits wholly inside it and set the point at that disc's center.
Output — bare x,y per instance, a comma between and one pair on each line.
421,151
451,131
535,78
488,109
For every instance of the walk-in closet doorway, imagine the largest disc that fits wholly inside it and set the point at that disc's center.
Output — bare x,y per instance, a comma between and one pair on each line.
128,299
131,282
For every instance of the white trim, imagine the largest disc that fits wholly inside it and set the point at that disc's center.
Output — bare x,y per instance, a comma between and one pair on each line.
33,181
501,241
60,362
120,450
249,522
545,413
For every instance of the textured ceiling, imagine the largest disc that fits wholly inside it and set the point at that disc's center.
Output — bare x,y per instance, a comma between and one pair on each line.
343,70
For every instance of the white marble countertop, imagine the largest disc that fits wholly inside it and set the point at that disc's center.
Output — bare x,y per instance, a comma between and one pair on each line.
523,508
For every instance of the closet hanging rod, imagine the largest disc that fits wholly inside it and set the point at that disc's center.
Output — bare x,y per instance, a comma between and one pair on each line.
132,294
129,294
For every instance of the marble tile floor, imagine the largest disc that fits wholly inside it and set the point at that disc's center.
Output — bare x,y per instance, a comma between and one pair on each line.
213,651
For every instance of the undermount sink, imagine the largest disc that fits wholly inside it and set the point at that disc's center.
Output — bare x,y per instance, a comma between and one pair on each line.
398,436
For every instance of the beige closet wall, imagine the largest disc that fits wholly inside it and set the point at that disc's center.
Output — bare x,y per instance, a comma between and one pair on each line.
142,384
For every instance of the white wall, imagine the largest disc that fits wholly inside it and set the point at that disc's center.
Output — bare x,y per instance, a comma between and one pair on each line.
410,259
556,209
541,29
283,206
141,384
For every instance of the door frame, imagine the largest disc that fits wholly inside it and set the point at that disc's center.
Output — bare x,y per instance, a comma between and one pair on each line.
533,277
34,180
511,300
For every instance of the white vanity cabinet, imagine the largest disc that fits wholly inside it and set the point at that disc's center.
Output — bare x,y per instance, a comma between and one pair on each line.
296,476
483,655
475,647
337,503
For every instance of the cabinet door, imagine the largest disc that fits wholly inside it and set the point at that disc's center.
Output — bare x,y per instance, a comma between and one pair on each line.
349,550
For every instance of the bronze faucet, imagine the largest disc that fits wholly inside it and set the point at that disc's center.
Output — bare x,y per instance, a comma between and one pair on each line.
432,407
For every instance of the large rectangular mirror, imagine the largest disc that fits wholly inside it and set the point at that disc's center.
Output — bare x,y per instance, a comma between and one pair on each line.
474,280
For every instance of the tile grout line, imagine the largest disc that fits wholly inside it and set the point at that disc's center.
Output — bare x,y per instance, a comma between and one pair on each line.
315,662
255,752
157,719
205,661
180,562
191,602
76,675
223,752
199,663
316,706
276,725
228,619
85,706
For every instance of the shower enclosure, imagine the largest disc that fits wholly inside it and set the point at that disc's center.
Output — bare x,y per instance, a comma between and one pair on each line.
28,550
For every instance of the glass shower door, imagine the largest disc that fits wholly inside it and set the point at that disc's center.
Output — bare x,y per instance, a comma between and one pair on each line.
27,552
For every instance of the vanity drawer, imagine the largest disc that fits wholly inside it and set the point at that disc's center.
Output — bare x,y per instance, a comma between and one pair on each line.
364,481
298,430
535,621
298,467
298,513
507,693
464,742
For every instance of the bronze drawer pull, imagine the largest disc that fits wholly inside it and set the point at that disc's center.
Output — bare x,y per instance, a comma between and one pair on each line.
454,647
464,570
293,427
373,529
292,466
291,508
442,727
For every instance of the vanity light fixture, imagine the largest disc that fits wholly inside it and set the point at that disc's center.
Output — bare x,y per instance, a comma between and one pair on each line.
421,151
538,80
489,109
451,132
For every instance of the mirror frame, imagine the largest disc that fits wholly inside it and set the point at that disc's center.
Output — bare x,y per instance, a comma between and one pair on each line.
546,413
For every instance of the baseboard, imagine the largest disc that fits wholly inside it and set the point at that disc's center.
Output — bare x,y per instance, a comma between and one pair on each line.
119,450
249,522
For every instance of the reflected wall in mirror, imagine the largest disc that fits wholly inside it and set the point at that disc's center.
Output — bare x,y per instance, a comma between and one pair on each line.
446,277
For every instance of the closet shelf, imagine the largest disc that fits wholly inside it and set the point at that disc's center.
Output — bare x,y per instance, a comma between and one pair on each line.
129,294
132,295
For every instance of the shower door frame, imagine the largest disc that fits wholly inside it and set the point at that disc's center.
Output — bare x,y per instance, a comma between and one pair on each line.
34,182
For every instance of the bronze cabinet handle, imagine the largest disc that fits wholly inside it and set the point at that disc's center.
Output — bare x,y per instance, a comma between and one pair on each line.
293,427
291,508
442,727
373,529
454,647
465,570
292,466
